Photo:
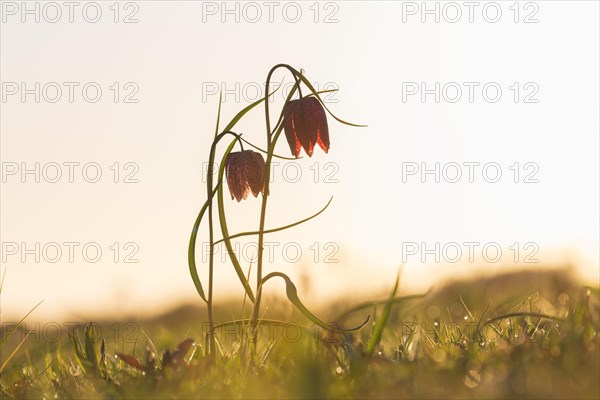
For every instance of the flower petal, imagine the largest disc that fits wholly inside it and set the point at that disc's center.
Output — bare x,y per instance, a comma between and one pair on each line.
234,176
303,128
289,129
318,118
245,171
254,168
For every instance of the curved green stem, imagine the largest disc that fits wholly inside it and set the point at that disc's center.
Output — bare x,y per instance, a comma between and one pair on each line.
266,178
209,190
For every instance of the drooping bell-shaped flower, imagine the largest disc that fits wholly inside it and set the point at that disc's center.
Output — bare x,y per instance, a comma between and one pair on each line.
244,171
306,125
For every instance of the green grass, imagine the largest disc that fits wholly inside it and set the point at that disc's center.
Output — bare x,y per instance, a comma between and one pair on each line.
518,335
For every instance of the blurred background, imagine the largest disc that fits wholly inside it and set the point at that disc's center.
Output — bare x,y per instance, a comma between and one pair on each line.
480,155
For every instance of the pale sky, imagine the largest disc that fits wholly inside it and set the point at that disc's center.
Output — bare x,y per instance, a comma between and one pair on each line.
515,96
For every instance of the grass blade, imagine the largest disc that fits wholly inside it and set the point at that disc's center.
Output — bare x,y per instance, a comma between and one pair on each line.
246,109
5,338
219,114
395,300
14,352
382,321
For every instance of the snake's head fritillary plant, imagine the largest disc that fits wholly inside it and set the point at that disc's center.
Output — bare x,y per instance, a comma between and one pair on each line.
244,170
306,125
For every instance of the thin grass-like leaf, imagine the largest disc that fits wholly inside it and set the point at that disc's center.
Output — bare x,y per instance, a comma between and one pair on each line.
292,295
382,321
224,229
477,327
2,280
149,343
218,114
9,333
395,300
192,249
466,308
316,94
267,353
522,314
14,352
246,109
265,152
237,235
